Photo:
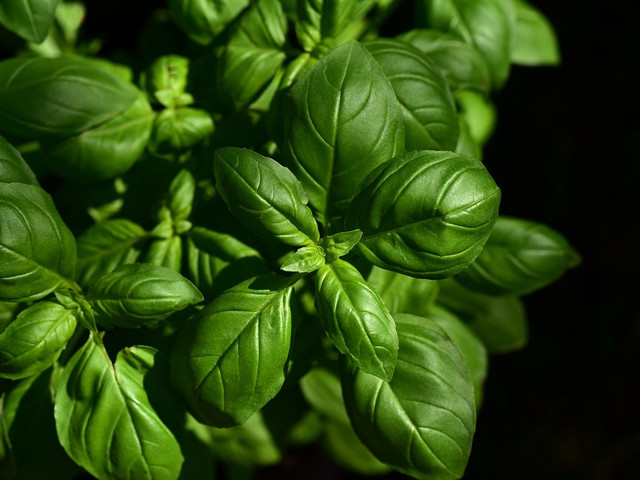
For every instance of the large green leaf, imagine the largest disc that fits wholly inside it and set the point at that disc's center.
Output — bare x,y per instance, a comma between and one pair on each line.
37,250
31,19
13,168
265,196
460,63
105,246
105,421
356,319
422,422
202,20
534,42
483,24
53,98
344,121
428,108
31,343
426,214
230,360
106,151
139,293
520,257
402,293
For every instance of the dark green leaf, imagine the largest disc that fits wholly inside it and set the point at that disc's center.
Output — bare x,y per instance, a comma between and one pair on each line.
402,293
31,19
53,98
202,20
105,246
37,250
230,360
534,41
305,260
345,121
137,294
105,421
428,108
426,214
338,245
461,64
32,342
181,129
356,319
520,257
13,168
265,196
422,422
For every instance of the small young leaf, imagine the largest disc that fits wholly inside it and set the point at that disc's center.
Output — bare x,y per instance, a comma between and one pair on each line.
165,252
136,294
305,260
105,421
230,360
422,422
338,245
425,214
180,195
534,41
202,20
478,113
31,19
356,319
166,79
32,342
37,250
181,129
265,196
520,257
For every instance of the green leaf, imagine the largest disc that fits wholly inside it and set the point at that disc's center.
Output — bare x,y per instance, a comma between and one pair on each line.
500,322
402,293
520,257
425,214
202,20
166,252
534,41
180,195
344,121
466,144
304,260
422,422
53,98
33,341
137,294
217,261
478,113
30,19
105,151
356,319
181,129
13,168
166,80
230,360
339,244
105,246
105,421
460,63
322,390
37,250
428,108
265,196
483,24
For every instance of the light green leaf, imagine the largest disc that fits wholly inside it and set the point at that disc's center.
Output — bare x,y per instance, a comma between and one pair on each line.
166,252
37,250
339,244
343,447
322,390
460,63
344,121
136,294
466,144
479,115
32,342
422,422
265,196
105,246
425,214
181,129
166,80
402,293
520,257
180,195
230,360
31,19
13,168
356,319
105,421
428,108
534,41
202,20
304,260
53,98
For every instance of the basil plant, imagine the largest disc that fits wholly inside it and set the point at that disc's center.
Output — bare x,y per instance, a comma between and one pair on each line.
268,225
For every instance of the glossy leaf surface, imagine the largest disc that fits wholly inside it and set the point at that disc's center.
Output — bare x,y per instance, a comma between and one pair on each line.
105,421
202,20
356,319
428,108
520,257
31,343
422,422
13,168
534,41
230,360
265,196
425,214
304,260
345,121
37,250
139,293
31,19
181,129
